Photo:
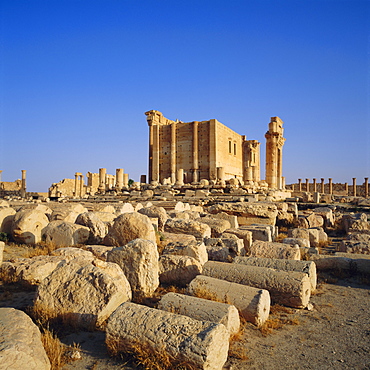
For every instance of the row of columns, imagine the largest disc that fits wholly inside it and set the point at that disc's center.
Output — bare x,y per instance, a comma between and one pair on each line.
109,181
322,187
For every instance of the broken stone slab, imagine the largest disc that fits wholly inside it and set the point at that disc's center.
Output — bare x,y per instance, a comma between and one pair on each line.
303,244
191,248
218,226
290,288
20,342
231,218
167,238
354,246
252,303
202,309
179,226
354,222
99,251
178,270
248,213
63,233
308,267
30,271
83,292
260,248
138,260
69,253
245,235
27,226
260,232
6,219
125,208
201,344
327,214
156,212
224,249
130,226
98,228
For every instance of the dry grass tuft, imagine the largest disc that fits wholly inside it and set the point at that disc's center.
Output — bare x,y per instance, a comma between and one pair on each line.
41,249
280,316
145,356
280,237
55,350
200,293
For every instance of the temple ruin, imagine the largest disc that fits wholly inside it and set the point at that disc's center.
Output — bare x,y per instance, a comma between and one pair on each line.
185,152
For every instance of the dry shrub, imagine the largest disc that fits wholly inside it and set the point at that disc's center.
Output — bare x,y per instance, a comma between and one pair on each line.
158,294
41,249
8,276
146,356
281,236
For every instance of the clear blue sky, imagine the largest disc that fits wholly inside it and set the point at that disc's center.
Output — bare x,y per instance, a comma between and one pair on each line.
77,76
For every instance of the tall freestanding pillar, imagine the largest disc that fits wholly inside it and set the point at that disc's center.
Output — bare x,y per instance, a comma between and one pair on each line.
314,186
330,186
323,185
195,152
23,189
102,174
354,187
119,179
299,184
81,185
173,153
366,193
274,153
76,184
307,185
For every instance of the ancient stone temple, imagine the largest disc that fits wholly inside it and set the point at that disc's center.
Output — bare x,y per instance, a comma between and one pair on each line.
185,152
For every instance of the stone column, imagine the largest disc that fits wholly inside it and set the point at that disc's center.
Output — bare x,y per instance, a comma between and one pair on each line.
212,149
102,184
354,192
142,179
1,175
366,192
299,184
125,180
314,186
173,153
180,177
76,184
330,186
81,184
323,186
119,179
156,151
307,185
346,187
274,157
195,152
221,174
23,189
283,182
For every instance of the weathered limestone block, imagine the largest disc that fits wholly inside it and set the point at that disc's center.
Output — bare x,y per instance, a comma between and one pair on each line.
327,214
63,233
231,218
157,212
106,217
39,207
31,271
139,261
245,235
218,226
176,238
2,246
4,203
99,251
98,229
125,208
260,232
354,246
193,248
27,226
308,267
299,233
288,288
253,303
224,249
314,220
6,219
184,215
202,309
260,248
130,226
285,218
178,226
352,263
248,213
69,253
202,344
84,292
303,244
69,212
354,222
317,236
178,270
106,208
20,342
